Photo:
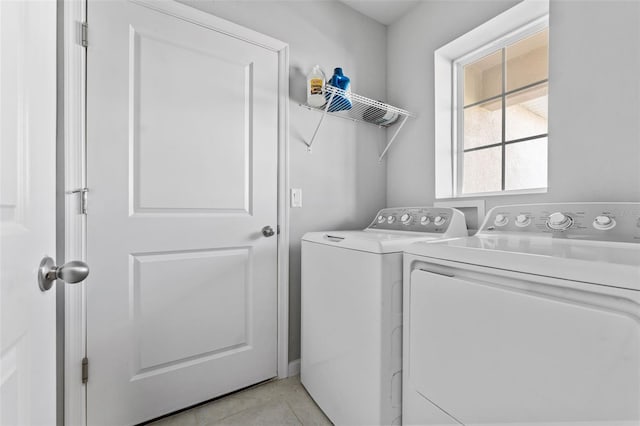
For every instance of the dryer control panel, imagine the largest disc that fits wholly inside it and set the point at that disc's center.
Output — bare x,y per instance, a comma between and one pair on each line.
618,222
435,220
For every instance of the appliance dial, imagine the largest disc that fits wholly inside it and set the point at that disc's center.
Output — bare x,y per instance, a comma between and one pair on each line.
425,220
381,219
391,219
604,222
406,219
559,221
439,220
501,220
523,220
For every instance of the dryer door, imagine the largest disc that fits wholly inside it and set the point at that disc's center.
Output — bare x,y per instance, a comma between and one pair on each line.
521,349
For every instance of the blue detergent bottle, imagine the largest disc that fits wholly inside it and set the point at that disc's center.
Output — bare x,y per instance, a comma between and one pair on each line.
340,102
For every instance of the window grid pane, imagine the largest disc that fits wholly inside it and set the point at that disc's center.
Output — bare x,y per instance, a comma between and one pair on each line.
483,78
482,170
526,164
527,60
483,124
526,112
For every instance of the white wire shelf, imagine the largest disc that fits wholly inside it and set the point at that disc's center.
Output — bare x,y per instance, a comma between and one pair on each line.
344,104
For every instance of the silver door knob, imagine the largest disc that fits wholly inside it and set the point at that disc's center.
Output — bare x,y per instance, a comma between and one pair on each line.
267,231
71,272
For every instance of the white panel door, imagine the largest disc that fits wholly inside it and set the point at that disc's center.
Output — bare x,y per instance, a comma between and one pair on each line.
27,211
182,173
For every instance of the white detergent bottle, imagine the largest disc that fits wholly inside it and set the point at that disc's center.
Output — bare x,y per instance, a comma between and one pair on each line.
315,87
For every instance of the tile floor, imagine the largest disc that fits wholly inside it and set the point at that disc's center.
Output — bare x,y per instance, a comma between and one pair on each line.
278,402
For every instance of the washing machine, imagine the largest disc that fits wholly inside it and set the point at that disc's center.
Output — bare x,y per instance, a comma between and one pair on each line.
535,320
351,312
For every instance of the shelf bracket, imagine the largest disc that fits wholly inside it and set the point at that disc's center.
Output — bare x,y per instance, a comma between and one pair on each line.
393,138
324,114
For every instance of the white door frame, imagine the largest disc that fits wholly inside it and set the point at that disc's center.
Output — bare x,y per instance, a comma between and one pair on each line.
75,178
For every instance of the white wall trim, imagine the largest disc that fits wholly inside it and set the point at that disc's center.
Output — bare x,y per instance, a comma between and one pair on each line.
74,12
212,22
283,211
294,367
75,177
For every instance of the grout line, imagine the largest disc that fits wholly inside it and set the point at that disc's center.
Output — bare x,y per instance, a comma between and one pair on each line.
288,397
216,421
286,401
246,392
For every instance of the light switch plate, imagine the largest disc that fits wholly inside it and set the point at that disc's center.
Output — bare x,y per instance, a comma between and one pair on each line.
296,197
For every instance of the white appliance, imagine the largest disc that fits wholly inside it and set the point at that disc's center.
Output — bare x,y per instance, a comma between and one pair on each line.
351,297
535,320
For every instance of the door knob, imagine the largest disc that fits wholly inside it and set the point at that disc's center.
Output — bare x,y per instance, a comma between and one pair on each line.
267,231
71,272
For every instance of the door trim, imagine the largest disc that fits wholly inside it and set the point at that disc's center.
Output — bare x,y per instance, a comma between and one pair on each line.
74,57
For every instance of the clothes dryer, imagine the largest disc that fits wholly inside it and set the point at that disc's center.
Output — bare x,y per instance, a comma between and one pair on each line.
535,320
351,318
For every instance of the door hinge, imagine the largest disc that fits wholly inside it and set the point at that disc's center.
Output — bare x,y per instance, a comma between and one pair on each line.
84,34
84,199
85,370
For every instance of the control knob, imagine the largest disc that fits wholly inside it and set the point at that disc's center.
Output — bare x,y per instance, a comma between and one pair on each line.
439,220
391,219
501,220
406,219
559,221
604,222
522,220
425,220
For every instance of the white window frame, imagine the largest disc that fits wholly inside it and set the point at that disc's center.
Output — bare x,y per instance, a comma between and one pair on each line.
524,19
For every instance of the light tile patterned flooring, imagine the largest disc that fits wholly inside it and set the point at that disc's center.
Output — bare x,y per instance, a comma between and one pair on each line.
278,402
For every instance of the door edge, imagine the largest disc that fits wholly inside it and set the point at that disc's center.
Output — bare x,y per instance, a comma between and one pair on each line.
74,171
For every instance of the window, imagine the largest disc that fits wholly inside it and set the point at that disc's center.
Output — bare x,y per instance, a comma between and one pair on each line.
502,94
491,90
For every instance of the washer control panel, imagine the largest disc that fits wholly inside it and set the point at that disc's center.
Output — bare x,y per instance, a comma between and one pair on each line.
414,219
590,221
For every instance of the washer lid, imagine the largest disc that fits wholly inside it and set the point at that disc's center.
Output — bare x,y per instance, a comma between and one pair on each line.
369,241
599,262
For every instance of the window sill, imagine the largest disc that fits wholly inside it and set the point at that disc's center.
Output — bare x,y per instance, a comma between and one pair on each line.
497,193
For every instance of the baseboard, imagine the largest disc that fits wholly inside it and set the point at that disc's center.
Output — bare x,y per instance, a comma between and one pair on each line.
294,367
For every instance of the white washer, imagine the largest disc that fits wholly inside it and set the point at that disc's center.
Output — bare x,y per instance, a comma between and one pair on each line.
351,297
535,320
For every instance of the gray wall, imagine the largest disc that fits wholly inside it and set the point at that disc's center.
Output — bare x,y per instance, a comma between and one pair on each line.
594,98
343,184
594,104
